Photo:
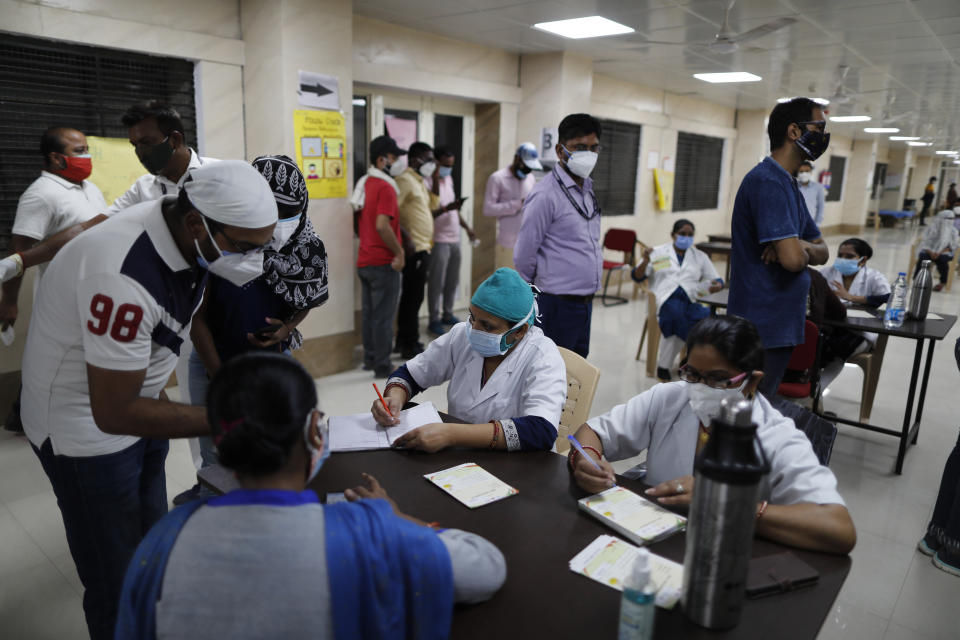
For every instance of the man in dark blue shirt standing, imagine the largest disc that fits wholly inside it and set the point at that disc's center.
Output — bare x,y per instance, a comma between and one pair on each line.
774,237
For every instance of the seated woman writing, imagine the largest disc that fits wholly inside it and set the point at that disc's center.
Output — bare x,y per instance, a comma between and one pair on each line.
939,242
854,283
507,379
799,504
680,274
268,560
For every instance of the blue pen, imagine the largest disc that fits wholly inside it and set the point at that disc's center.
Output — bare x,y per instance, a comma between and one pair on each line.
579,447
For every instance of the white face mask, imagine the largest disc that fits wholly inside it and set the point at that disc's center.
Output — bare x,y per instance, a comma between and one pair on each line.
804,177
427,169
397,168
581,163
705,401
284,231
236,268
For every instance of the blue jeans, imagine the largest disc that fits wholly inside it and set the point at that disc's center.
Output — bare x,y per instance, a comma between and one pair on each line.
566,322
197,386
775,365
108,504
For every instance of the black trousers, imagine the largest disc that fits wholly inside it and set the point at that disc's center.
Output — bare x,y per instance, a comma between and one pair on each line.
411,297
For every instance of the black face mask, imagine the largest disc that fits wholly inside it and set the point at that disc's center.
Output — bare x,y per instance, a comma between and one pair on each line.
155,157
813,143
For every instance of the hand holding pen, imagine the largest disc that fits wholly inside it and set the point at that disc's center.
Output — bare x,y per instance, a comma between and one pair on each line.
592,475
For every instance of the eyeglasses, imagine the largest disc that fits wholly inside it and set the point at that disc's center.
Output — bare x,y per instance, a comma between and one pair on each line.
691,375
241,247
596,148
820,124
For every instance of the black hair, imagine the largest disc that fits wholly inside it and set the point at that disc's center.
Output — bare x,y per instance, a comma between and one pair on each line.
785,114
807,163
443,152
861,247
257,407
168,119
577,125
680,224
417,149
933,178
51,140
734,338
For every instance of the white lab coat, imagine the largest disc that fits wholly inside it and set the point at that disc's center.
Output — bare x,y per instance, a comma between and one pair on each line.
667,273
531,380
662,422
866,282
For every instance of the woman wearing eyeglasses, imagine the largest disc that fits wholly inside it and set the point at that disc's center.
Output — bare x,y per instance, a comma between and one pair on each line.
799,503
268,560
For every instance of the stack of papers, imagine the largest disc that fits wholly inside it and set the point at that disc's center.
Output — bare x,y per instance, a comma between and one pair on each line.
632,516
360,432
471,484
608,560
860,313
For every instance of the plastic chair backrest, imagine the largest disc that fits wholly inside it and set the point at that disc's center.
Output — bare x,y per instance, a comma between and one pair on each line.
620,240
820,432
804,355
582,378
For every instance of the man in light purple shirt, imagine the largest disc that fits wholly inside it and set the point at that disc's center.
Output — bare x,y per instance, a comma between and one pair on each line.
558,247
444,276
504,196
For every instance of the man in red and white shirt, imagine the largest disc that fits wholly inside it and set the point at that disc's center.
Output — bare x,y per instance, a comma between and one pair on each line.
107,328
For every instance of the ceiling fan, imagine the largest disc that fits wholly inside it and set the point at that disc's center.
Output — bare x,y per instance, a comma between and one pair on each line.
726,41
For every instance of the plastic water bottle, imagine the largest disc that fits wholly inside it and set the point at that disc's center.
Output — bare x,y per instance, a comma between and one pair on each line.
722,516
637,606
897,305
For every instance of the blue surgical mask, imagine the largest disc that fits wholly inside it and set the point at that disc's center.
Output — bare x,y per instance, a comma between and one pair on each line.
490,345
317,458
520,174
846,266
683,242
444,172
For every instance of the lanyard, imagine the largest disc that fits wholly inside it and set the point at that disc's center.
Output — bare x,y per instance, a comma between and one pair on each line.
596,206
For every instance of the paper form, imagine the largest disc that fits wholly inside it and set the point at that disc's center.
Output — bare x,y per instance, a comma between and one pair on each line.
860,313
471,484
608,560
632,515
360,432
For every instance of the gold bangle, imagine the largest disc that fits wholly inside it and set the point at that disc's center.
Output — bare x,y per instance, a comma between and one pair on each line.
18,259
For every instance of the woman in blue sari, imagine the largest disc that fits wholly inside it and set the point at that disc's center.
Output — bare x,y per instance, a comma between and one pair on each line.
268,560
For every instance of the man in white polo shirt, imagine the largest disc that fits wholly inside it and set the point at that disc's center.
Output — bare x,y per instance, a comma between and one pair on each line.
61,197
107,327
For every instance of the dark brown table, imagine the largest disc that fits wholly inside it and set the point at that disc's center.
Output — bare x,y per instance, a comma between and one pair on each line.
720,249
539,531
929,331
719,237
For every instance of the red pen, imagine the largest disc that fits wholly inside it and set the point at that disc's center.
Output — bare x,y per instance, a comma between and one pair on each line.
382,401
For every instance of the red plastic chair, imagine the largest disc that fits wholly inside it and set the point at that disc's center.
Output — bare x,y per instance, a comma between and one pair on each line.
804,361
624,240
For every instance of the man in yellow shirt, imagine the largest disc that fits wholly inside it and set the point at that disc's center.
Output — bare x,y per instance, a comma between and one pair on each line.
416,225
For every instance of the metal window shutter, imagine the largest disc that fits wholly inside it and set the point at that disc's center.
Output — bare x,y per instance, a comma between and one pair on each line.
696,184
615,176
45,83
838,164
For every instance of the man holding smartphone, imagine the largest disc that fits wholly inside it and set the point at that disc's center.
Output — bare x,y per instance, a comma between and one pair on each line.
445,259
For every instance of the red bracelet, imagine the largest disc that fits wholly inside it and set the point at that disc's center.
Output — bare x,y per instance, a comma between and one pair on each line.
433,525
762,509
574,453
496,434
386,390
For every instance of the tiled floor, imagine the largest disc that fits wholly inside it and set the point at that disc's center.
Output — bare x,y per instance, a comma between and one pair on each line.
892,592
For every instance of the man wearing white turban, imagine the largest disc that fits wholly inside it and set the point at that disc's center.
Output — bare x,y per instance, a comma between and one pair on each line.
107,328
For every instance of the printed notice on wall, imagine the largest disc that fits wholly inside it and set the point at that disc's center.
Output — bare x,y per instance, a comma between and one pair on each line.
115,166
321,141
318,90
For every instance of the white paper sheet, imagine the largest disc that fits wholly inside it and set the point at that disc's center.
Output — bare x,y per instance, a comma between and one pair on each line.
471,484
360,432
608,560
860,313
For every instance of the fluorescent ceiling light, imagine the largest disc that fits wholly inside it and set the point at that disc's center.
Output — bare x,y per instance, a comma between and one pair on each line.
733,76
920,144
822,101
850,118
904,137
881,130
589,27
947,153
359,102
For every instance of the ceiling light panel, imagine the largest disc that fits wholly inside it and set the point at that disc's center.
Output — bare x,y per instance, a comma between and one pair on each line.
881,130
733,76
850,118
904,137
589,27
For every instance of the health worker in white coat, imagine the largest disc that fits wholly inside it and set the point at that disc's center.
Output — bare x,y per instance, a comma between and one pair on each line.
854,283
680,274
798,502
507,380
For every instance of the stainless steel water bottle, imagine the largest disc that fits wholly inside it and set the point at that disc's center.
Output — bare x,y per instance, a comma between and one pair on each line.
727,474
920,293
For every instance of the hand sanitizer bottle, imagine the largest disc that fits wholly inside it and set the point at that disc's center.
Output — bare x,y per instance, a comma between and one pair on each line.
637,604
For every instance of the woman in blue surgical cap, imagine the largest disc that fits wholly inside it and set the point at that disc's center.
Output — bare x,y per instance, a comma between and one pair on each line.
507,379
